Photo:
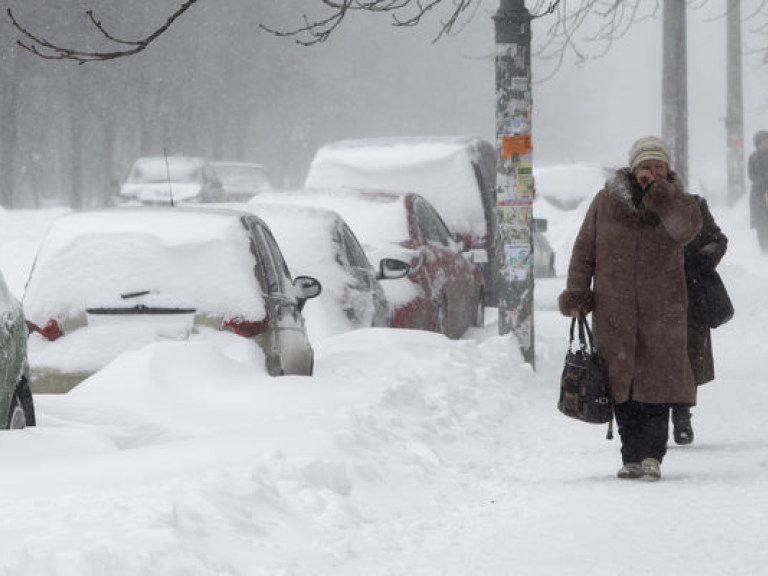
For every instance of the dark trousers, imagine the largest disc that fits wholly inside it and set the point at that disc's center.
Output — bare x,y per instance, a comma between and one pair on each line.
644,430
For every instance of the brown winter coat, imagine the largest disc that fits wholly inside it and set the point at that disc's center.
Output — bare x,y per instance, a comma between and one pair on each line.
627,268
706,250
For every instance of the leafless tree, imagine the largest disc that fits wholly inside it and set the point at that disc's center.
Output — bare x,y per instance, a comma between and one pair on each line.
614,19
610,20
49,50
403,13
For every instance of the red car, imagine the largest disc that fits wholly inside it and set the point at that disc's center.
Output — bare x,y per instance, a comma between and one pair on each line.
444,289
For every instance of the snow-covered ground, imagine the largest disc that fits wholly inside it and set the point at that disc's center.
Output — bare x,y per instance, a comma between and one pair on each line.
406,454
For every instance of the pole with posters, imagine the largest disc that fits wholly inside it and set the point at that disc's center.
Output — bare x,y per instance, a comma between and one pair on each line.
514,173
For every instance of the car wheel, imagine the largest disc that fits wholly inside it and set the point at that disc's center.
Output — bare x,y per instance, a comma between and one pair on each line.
275,365
479,320
22,412
17,419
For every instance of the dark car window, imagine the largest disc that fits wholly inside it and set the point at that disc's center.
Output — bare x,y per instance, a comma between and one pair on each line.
275,269
276,256
260,250
432,226
355,254
488,195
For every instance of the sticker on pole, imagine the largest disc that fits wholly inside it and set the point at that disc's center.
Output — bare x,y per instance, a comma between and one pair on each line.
516,145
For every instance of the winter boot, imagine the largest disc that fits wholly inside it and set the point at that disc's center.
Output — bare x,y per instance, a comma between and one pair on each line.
630,471
681,420
651,469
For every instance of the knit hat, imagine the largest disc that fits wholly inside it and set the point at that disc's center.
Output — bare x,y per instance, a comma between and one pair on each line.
760,136
649,148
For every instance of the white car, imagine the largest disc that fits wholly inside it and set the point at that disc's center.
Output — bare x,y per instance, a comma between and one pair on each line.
543,254
443,290
109,281
320,243
165,181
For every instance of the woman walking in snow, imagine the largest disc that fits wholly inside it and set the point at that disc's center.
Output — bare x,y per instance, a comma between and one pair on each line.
627,269
703,253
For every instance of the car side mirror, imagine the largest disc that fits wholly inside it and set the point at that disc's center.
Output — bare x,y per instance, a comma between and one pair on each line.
306,288
540,225
392,269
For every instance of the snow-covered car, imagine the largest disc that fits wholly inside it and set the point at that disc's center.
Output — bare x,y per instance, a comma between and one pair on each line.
443,291
17,408
320,243
113,280
565,186
164,181
543,254
242,180
457,175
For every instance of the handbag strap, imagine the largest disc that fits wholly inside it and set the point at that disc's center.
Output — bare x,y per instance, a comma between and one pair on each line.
586,340
570,341
583,320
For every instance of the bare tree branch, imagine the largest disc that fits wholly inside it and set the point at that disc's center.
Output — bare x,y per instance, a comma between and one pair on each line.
51,51
404,13
615,18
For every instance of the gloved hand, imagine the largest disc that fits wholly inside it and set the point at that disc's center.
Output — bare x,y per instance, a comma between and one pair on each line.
574,304
658,192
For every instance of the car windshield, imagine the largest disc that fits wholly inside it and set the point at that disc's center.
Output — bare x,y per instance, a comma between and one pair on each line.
155,171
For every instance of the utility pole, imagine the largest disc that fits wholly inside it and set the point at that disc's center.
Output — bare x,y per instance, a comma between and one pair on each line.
514,174
674,108
734,119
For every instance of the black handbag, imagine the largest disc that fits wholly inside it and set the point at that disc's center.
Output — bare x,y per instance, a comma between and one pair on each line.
707,296
584,390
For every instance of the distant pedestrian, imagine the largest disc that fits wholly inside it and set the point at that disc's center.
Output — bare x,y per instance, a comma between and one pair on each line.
758,196
703,253
627,269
